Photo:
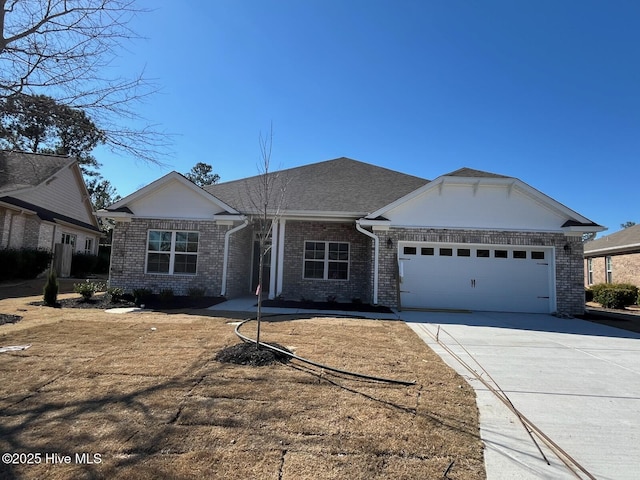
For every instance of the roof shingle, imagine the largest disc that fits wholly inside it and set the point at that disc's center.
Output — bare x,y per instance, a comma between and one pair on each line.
625,239
339,185
20,170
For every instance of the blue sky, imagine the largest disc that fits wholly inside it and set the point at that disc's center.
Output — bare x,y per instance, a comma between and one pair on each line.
546,91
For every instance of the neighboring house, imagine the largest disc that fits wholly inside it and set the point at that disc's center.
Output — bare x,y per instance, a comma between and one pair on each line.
43,202
614,258
357,232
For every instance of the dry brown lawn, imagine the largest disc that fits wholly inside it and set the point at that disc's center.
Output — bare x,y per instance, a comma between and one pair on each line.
155,404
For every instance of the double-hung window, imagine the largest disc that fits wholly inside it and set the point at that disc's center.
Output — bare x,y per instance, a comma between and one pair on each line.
172,252
326,260
609,266
590,271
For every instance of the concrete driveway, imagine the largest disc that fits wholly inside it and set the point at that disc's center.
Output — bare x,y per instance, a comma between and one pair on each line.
577,381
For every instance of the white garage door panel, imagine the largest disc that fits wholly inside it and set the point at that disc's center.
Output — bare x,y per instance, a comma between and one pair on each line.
474,282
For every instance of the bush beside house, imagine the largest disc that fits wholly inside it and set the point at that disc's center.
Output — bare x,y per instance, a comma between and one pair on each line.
23,263
613,295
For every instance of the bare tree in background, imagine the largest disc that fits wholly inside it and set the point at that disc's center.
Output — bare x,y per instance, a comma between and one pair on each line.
65,49
267,201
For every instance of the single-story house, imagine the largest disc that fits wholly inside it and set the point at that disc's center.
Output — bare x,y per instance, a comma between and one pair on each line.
357,232
613,258
44,202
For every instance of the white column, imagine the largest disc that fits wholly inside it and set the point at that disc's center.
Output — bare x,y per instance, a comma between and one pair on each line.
274,259
280,257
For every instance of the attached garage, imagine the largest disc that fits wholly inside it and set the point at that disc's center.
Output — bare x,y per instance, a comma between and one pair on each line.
476,277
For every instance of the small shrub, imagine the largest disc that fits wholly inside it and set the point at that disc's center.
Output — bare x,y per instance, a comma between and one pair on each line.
196,292
166,295
588,295
615,295
88,288
115,294
332,299
141,294
51,289
83,264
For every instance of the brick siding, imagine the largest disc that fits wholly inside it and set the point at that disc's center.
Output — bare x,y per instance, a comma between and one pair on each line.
568,262
129,249
359,285
625,269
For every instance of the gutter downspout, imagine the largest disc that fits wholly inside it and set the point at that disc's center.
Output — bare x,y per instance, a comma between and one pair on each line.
225,258
376,248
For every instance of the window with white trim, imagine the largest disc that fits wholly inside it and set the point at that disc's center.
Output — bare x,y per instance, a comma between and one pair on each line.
326,260
172,252
609,264
88,246
590,271
69,239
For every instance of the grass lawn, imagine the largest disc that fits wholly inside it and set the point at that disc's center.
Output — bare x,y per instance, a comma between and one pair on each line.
155,404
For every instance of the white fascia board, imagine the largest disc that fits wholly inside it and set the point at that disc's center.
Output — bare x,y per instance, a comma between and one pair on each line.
584,229
619,249
159,183
15,208
312,215
76,227
382,225
476,229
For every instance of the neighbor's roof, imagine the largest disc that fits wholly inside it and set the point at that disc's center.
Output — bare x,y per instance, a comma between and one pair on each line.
470,172
19,170
47,215
339,185
626,240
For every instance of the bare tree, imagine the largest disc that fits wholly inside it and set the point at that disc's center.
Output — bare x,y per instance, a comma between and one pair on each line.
64,49
267,199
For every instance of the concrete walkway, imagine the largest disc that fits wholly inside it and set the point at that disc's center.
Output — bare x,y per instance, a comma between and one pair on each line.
577,381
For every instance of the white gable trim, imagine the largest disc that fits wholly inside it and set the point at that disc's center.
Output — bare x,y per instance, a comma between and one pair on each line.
158,184
441,183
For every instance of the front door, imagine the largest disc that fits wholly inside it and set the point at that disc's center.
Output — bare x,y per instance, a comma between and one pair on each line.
266,267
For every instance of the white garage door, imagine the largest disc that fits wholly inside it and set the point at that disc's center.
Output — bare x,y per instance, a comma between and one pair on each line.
500,278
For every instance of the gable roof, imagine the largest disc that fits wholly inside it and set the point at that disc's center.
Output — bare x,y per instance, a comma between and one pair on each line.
625,241
338,186
122,205
20,170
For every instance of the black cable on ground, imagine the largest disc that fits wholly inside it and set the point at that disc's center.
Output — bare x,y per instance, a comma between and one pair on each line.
316,364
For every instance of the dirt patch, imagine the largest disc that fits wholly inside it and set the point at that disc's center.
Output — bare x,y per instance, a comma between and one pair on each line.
145,393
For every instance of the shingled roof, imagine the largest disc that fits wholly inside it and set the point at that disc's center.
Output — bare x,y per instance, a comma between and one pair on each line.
470,172
333,186
19,170
624,241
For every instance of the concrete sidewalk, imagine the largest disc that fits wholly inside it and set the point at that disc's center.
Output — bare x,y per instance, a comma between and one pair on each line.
579,382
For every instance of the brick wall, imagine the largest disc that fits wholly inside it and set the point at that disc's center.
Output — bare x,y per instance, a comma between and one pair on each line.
625,269
128,257
568,262
360,246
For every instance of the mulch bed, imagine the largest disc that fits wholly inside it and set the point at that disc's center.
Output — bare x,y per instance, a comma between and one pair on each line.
247,354
7,318
349,307
104,302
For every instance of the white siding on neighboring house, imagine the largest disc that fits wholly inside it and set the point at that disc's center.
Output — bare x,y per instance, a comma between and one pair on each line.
62,195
